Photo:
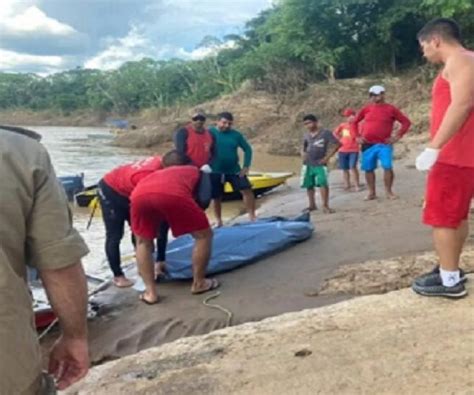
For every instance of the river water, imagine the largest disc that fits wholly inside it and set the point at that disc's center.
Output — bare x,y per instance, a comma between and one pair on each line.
88,150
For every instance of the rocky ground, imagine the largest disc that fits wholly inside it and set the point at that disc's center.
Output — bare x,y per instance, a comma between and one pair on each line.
381,344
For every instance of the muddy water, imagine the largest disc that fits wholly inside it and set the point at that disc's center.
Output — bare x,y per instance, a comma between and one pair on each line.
88,151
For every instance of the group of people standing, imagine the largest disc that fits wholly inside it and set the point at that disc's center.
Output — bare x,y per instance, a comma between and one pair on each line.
171,192
36,228
449,157
369,132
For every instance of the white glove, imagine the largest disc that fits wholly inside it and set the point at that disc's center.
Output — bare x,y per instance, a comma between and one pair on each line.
206,169
427,159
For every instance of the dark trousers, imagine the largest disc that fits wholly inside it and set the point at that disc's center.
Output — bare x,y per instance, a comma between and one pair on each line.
115,212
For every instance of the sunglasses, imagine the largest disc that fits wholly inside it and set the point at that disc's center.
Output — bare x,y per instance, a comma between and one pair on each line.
199,118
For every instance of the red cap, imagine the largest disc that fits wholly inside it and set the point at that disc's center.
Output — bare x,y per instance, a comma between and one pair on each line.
348,112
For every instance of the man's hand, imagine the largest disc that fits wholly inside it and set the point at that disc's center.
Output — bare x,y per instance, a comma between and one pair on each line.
360,140
393,140
68,361
206,169
323,162
427,159
244,172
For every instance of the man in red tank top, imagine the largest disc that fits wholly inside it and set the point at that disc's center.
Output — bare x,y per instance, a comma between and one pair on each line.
449,157
196,142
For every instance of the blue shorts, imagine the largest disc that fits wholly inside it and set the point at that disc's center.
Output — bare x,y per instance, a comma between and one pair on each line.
375,153
348,160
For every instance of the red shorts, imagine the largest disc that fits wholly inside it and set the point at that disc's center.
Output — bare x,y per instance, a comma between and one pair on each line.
182,214
449,192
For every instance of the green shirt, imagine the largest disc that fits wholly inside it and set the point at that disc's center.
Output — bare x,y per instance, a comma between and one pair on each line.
226,158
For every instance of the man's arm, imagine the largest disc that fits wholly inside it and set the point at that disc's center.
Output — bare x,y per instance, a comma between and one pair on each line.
67,292
333,147
338,132
213,150
243,143
355,129
180,141
405,124
460,75
55,248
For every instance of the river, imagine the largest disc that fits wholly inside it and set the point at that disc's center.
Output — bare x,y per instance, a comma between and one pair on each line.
87,150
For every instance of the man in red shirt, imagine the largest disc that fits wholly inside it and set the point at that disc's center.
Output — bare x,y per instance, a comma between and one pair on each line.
114,193
376,139
349,151
196,141
170,195
449,157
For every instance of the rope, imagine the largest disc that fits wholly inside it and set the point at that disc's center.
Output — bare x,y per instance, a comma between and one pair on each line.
216,306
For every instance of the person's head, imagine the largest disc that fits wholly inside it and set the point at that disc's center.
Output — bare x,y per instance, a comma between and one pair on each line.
225,121
349,114
437,37
310,122
198,119
377,94
174,158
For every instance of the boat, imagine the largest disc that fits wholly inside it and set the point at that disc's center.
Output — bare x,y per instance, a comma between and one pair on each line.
72,185
261,183
43,312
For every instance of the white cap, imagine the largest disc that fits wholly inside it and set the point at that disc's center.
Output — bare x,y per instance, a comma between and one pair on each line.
376,89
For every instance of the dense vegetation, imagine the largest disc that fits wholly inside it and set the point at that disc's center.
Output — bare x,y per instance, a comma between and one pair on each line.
284,48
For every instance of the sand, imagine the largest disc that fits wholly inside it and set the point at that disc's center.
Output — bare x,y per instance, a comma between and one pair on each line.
397,343
290,281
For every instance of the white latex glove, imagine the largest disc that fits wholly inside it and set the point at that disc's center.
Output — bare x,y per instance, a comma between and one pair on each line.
206,169
427,159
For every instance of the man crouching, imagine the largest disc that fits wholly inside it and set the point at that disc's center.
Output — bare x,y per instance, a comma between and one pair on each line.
169,195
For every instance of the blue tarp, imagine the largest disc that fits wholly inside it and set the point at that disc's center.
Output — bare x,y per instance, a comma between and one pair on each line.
238,245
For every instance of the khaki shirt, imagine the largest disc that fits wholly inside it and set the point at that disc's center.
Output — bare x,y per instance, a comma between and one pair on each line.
35,229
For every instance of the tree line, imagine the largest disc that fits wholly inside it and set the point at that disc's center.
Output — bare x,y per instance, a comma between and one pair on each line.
283,49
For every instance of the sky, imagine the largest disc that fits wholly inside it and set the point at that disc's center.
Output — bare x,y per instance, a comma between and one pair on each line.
47,36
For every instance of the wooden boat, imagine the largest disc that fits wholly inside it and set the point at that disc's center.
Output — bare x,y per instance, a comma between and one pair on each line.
261,183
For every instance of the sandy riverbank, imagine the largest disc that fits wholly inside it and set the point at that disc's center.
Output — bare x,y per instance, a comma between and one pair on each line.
382,344
290,281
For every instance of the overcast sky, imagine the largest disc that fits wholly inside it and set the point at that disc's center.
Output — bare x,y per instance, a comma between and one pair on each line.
45,36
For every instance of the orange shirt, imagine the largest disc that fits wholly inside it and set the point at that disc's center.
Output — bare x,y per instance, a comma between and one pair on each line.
346,137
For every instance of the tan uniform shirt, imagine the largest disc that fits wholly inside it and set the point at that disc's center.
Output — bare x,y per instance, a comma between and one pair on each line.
35,229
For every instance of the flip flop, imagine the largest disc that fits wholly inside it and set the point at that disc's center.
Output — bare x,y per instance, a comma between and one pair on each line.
213,284
142,299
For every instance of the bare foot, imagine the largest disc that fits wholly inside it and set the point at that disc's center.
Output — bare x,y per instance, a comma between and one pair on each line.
328,210
357,188
252,217
149,299
370,197
160,269
122,282
218,224
310,208
205,286
392,196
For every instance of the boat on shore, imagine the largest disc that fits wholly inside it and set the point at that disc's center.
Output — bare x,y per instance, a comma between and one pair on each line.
261,183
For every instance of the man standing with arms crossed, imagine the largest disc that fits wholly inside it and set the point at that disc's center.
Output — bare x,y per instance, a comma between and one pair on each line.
36,229
375,137
449,157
